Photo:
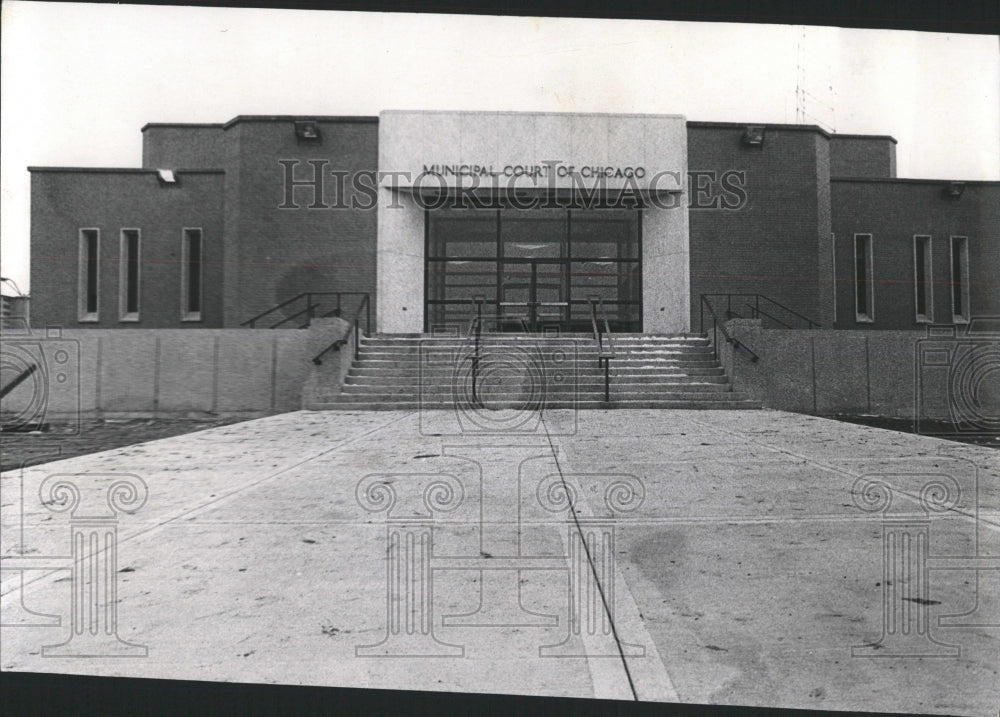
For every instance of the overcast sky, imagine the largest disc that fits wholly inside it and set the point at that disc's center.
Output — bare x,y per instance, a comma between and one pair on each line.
79,81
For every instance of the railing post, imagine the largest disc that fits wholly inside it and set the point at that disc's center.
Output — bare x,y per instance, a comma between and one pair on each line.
338,305
607,381
756,306
476,356
357,339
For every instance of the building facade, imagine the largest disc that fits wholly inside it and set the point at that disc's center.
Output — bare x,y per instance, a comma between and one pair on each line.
532,215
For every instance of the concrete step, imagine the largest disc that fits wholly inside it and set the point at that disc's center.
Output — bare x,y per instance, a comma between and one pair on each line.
451,359
520,399
654,373
417,371
581,378
729,405
635,338
491,341
549,388
589,348
519,340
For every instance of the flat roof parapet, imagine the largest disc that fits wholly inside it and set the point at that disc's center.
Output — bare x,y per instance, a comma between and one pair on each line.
121,170
909,180
837,135
257,118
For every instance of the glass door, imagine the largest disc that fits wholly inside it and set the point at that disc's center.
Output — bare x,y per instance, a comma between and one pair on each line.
535,292
537,266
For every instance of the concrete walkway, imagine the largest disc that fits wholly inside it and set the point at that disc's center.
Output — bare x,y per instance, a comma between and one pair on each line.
747,558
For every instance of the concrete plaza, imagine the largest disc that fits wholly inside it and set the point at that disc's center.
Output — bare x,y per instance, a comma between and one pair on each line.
728,557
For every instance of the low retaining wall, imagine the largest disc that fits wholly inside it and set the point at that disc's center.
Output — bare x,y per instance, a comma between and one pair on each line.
899,374
159,372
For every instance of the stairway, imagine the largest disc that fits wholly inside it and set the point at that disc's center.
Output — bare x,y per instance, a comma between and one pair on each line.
517,371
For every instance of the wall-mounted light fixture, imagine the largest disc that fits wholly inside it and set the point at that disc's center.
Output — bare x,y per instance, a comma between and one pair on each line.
753,135
307,130
954,190
166,176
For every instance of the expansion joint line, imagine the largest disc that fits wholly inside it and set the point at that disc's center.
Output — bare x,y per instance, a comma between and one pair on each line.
593,568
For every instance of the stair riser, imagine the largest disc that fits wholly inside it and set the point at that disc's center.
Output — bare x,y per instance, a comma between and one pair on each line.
581,351
549,387
508,339
449,400
418,372
443,362
594,379
655,372
589,405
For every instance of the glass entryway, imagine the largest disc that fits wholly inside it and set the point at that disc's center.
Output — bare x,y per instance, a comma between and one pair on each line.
534,266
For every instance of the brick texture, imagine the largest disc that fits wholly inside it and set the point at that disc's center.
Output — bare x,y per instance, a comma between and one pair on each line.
769,245
893,212
63,202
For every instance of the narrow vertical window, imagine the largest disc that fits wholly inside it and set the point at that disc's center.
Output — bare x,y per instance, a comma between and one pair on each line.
863,280
922,279
191,275
960,279
128,276
88,276
833,272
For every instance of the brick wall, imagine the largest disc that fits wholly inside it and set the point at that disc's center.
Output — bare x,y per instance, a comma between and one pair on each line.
893,211
770,244
274,253
184,146
64,201
861,156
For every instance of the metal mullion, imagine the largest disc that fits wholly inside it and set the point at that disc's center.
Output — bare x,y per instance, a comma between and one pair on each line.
639,262
500,266
427,264
568,271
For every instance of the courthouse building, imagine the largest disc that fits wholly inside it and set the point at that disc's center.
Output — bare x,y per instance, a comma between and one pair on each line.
534,214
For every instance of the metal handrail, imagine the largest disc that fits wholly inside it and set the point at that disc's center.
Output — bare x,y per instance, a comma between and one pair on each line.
477,325
476,332
604,355
809,321
261,315
309,310
718,325
355,326
756,310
